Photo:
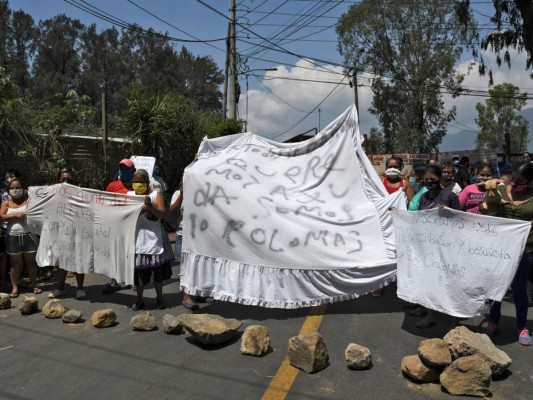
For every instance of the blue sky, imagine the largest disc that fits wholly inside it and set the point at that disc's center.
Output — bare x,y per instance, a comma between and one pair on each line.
278,100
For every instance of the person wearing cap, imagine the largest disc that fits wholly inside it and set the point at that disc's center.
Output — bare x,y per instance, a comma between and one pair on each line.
501,166
455,162
462,175
122,185
126,168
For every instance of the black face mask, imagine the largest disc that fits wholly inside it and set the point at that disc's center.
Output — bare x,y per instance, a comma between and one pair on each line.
68,180
447,177
432,185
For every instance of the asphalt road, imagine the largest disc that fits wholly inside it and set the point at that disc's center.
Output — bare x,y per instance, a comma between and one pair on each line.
46,359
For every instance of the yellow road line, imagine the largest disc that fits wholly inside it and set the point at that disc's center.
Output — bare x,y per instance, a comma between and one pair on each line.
286,375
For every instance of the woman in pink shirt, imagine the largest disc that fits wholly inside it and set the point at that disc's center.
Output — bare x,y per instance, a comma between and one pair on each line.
472,195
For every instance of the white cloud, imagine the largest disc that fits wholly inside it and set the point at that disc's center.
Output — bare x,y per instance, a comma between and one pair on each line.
268,116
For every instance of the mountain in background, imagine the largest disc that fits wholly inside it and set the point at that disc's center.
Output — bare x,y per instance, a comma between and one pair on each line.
466,139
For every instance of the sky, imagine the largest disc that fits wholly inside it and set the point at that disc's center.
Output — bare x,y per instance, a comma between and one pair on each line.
283,102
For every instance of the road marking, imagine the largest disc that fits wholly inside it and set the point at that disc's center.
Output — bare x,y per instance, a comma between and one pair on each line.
281,383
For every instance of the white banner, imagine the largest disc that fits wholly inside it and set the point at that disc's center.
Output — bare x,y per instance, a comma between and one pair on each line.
452,261
287,225
85,230
144,162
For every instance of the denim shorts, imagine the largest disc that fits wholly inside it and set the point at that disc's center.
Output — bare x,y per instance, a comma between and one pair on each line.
19,243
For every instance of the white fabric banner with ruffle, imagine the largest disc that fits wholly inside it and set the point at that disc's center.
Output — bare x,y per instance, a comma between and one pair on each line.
287,225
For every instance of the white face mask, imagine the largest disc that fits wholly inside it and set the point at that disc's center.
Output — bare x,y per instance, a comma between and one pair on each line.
392,172
16,193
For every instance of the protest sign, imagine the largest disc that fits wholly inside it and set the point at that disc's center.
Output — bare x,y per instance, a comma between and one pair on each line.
453,262
85,230
287,225
143,162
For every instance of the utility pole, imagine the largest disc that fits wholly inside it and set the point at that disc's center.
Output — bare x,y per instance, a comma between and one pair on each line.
103,87
233,63
355,94
319,111
226,69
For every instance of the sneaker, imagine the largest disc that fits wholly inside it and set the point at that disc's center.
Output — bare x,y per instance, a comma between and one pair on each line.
80,294
492,329
56,293
378,292
524,338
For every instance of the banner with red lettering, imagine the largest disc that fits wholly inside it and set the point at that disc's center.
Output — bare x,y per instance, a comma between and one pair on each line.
85,230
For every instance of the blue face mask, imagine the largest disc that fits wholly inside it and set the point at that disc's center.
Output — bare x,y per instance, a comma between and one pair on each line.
157,172
125,175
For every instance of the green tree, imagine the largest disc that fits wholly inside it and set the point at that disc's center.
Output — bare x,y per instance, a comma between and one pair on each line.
500,124
57,62
163,126
375,143
411,48
514,30
23,32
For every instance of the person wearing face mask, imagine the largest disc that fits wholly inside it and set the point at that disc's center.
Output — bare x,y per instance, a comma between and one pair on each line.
462,175
435,196
500,166
66,175
472,195
447,181
158,184
122,185
152,252
526,157
126,168
519,195
393,180
455,162
21,243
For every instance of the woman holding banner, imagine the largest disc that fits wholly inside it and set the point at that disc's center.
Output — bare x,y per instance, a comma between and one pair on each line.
152,252
519,196
393,182
20,242
66,175
435,196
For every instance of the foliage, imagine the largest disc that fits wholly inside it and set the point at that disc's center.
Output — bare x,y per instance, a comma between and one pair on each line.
162,126
499,122
411,49
514,30
375,143
213,125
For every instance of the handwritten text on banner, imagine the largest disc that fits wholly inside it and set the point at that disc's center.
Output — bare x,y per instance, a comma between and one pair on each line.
452,261
85,230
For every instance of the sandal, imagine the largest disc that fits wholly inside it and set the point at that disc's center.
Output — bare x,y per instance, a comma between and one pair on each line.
14,295
37,290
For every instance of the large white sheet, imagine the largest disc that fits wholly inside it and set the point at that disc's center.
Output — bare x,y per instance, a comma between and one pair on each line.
287,225
452,261
85,230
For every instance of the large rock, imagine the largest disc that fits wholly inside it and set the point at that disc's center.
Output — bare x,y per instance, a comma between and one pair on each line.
54,309
209,328
104,318
72,317
143,321
470,376
357,357
434,353
463,342
255,341
5,301
29,305
172,324
414,368
308,352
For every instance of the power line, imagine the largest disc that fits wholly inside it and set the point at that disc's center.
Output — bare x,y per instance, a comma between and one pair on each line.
95,11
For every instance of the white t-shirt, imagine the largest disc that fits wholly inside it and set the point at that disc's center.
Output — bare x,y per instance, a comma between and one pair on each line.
17,226
158,184
180,226
148,233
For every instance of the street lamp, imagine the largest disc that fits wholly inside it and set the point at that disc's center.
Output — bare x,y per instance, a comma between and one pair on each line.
246,74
